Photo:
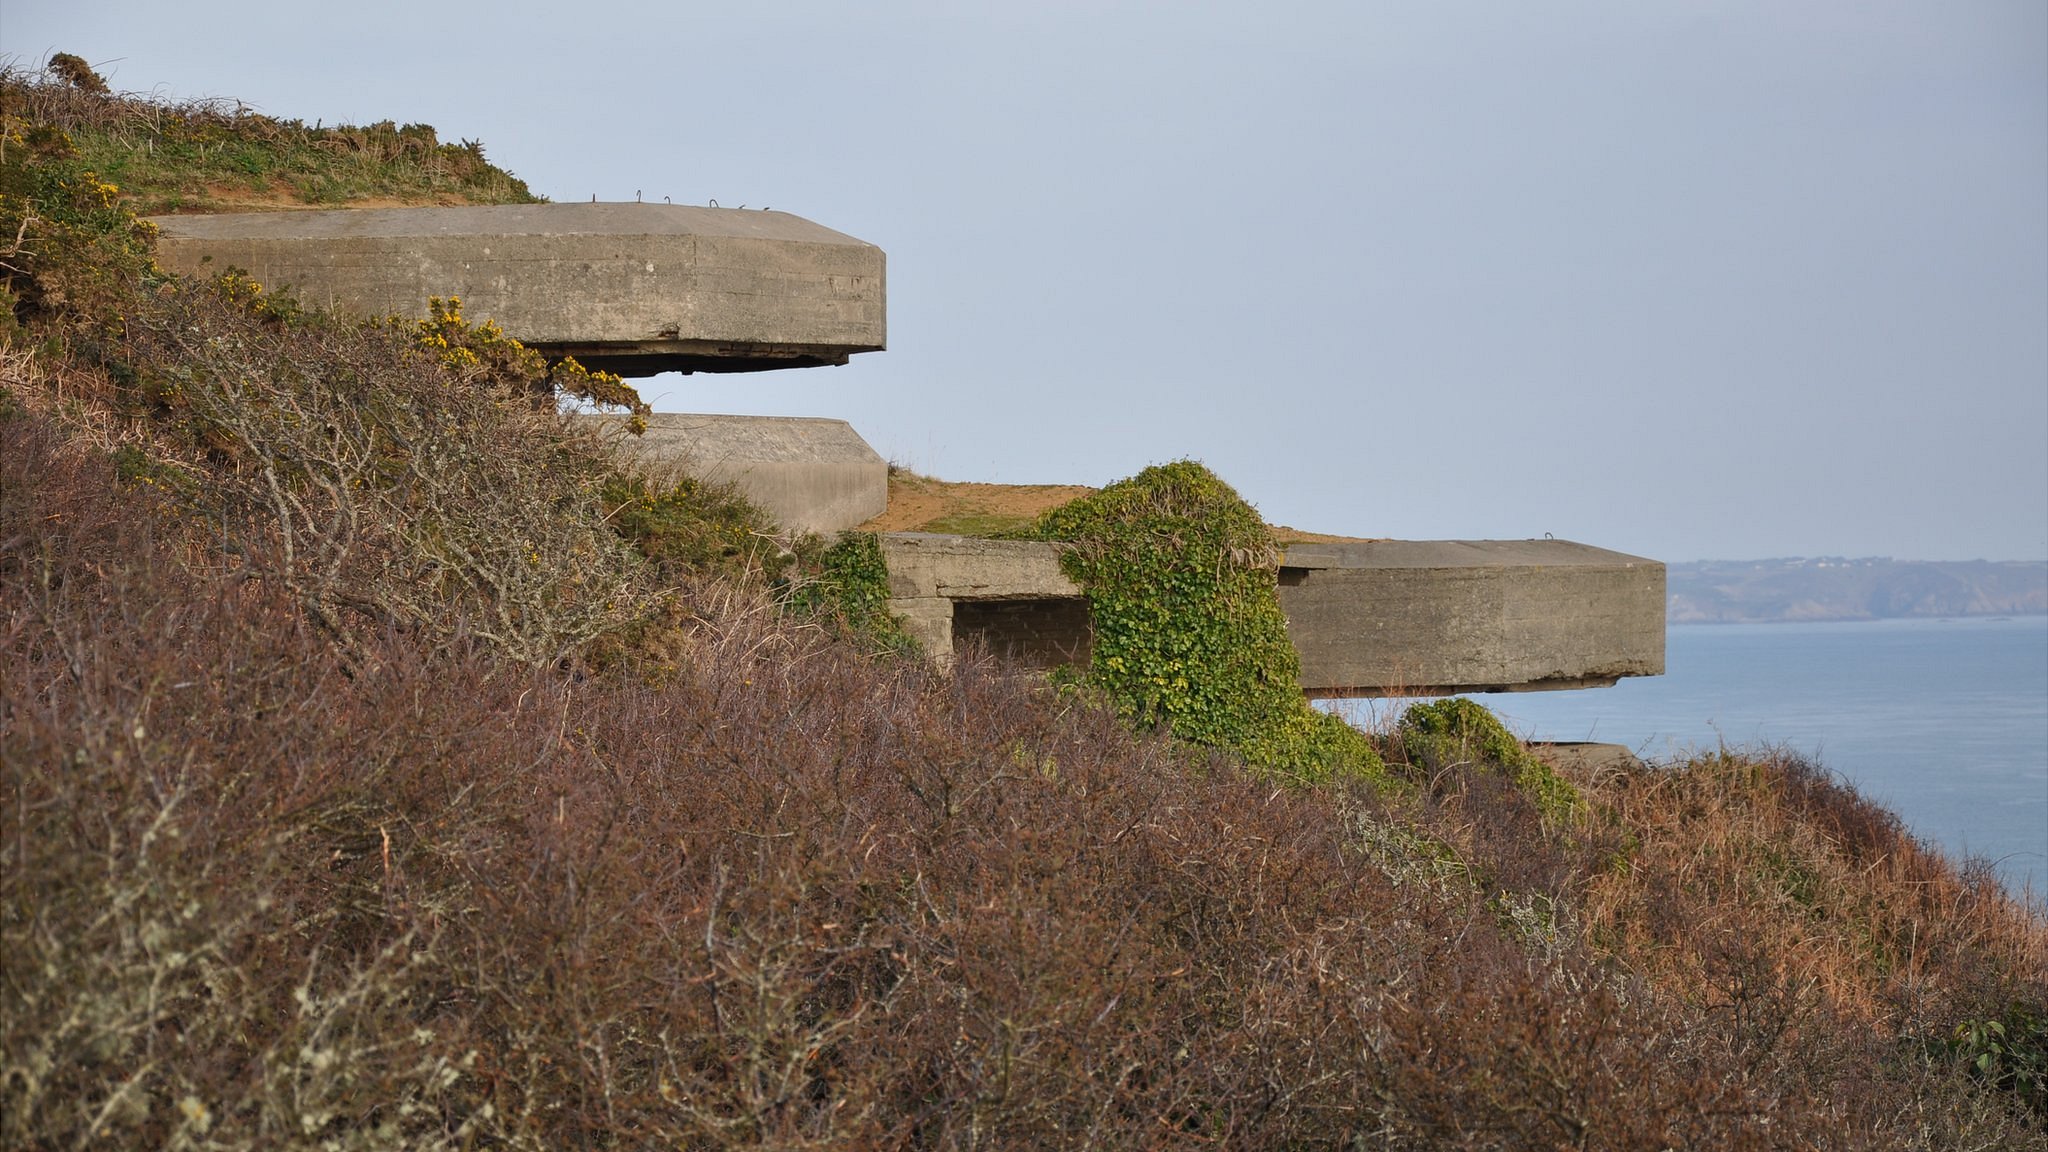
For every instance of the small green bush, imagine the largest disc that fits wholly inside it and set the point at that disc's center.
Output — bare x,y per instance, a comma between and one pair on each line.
1442,732
690,526
2009,1053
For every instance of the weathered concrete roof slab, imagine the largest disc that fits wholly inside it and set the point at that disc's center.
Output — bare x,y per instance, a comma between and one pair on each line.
1452,554
1587,757
629,288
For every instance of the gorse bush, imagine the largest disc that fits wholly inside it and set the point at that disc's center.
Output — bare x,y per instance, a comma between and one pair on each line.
1180,575
686,526
68,242
482,356
73,70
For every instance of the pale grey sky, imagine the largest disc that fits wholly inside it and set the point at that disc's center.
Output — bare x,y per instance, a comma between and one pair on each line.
1689,280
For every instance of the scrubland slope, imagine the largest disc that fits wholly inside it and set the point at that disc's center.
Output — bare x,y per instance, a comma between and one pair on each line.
354,800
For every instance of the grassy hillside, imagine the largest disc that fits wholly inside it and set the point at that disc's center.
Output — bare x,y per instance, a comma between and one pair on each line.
221,155
385,769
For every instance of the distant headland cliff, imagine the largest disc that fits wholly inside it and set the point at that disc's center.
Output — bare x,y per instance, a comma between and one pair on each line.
1872,588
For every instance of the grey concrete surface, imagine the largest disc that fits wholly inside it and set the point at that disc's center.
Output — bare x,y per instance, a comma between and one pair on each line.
926,564
929,621
1387,618
1430,617
1585,758
629,288
811,474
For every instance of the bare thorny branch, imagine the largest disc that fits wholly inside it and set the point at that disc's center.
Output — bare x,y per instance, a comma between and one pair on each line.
389,494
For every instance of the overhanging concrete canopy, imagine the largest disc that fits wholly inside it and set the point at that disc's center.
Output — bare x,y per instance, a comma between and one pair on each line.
1434,617
629,288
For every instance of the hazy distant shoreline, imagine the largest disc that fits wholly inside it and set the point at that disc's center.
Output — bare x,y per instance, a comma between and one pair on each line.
1799,589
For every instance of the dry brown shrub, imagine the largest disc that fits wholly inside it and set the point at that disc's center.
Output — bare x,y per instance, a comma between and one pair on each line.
72,106
255,896
1795,866
354,472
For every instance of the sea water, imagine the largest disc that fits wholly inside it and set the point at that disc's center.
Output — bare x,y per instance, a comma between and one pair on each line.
1943,721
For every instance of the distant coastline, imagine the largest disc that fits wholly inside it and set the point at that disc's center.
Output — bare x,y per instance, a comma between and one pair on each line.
1811,589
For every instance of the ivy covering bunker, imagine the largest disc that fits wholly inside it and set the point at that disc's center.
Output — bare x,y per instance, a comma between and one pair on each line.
1181,576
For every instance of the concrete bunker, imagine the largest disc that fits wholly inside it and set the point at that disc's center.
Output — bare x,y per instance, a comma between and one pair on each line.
1010,594
634,289
644,288
1379,618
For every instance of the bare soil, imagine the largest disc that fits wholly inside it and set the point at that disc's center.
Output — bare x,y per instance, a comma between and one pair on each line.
969,508
924,504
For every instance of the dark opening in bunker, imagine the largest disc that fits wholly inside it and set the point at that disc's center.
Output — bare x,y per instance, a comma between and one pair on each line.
1041,634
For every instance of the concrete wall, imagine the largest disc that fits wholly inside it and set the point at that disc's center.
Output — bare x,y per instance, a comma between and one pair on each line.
928,564
631,288
931,575
811,474
1425,617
